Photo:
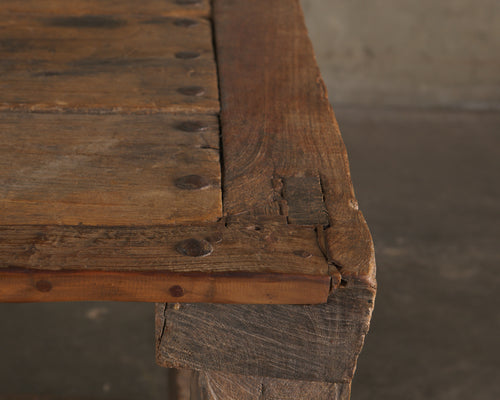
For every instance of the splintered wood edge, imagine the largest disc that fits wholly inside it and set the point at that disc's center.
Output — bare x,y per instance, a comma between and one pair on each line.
211,263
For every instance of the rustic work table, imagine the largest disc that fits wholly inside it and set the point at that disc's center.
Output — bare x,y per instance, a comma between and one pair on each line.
186,154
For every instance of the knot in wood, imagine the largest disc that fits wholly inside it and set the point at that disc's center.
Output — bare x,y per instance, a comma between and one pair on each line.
194,248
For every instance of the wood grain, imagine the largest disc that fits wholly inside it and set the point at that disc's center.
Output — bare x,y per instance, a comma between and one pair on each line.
109,7
272,249
283,156
284,128
303,198
31,285
303,342
106,64
144,264
107,170
209,385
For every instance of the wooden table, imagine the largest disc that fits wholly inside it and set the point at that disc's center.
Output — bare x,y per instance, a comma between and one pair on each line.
173,152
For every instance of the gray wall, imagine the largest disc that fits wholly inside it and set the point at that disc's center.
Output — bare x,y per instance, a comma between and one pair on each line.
427,182
410,53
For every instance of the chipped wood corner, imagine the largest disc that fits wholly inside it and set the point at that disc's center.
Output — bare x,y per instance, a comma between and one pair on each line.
350,248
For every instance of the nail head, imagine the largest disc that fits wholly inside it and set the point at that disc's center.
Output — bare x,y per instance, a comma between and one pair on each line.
191,91
176,291
192,182
43,286
194,247
185,22
192,126
302,253
187,55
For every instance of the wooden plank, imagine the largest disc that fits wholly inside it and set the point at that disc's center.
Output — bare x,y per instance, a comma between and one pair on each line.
284,128
303,342
204,263
273,249
282,151
182,8
209,385
106,64
30,285
108,170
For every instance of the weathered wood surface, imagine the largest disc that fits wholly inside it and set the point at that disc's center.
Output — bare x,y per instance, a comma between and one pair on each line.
204,263
28,285
277,125
304,342
182,384
95,206
209,385
106,63
108,170
282,152
109,7
272,249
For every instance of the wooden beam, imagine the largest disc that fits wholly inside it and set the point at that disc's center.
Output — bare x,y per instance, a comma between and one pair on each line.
303,342
280,138
204,263
28,285
283,156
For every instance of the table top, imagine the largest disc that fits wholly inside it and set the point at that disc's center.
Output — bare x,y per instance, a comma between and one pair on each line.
123,176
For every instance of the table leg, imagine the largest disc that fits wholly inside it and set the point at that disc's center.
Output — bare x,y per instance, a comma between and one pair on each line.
211,385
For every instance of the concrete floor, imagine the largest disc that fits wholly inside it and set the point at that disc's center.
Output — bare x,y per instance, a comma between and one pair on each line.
427,181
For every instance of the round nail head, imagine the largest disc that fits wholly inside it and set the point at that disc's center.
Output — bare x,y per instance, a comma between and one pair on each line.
176,291
187,55
191,91
194,248
185,22
192,182
192,126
